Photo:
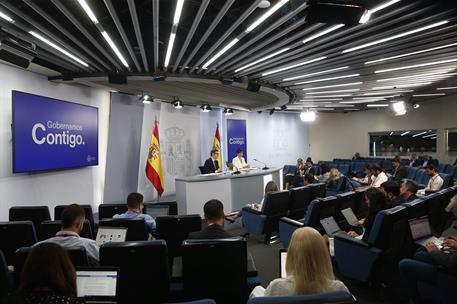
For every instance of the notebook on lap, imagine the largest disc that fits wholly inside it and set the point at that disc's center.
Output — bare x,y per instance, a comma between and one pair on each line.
422,233
97,284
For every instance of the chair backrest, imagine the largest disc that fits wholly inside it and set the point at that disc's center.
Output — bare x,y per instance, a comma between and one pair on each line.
215,269
343,168
448,180
344,201
387,165
417,208
14,235
6,281
318,190
391,233
175,229
36,214
420,176
289,169
441,168
202,169
299,200
172,207
334,297
275,206
77,255
144,271
48,229
411,172
107,211
320,209
87,210
136,227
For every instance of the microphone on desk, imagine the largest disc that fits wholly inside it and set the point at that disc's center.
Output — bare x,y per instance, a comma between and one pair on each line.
265,165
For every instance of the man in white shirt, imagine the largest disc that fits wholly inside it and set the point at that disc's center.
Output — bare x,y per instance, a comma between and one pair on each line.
73,217
379,177
436,182
238,161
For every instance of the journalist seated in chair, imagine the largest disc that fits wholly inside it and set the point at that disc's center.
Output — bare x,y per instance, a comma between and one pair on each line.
269,187
308,165
431,266
48,277
73,217
299,171
337,182
376,201
408,190
366,180
399,172
212,164
435,183
135,209
214,218
391,189
308,267
324,173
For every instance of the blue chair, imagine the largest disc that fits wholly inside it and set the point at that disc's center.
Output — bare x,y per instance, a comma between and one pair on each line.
318,190
6,280
341,297
343,168
387,165
299,199
441,168
389,241
317,210
359,168
14,235
421,178
275,206
411,172
448,181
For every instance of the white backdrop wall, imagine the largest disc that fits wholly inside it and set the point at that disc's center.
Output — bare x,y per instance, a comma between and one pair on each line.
340,135
84,185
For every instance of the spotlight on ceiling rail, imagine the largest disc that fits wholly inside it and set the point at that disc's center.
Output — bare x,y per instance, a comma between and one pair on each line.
206,108
177,104
228,111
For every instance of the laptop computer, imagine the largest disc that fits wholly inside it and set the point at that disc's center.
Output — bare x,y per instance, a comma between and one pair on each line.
156,211
421,232
97,284
330,226
350,216
282,263
110,234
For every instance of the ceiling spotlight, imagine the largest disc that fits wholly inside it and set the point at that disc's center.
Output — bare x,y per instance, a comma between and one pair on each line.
264,4
146,99
399,108
308,116
177,104
206,108
283,108
272,111
228,111
416,106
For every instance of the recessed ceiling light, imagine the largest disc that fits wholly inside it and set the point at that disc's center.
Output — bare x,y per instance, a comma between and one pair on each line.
261,59
316,73
416,106
327,79
417,65
206,108
334,86
396,36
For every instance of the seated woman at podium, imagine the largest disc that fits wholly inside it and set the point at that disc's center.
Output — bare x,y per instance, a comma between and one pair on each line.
269,187
238,161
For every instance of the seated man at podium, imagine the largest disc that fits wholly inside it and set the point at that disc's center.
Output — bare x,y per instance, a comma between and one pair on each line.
238,161
212,163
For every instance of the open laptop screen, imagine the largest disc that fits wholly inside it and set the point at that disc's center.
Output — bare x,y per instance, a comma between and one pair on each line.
156,211
110,234
330,225
282,262
349,216
420,228
97,283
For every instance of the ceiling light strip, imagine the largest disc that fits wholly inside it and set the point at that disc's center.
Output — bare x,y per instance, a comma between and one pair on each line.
219,54
439,73
322,33
400,86
411,54
429,95
327,79
174,28
262,18
261,59
316,73
293,66
334,86
114,48
447,88
88,11
395,36
55,46
416,66
6,17
331,92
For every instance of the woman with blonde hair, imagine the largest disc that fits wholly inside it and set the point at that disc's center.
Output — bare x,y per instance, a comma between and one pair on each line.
308,266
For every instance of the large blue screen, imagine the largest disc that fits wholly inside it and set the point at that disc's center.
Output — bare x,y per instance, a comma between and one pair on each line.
51,134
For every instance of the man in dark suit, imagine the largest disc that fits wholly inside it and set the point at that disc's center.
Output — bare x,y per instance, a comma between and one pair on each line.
408,190
214,217
212,163
392,190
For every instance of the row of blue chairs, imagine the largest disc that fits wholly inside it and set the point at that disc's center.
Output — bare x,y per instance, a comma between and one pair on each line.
421,178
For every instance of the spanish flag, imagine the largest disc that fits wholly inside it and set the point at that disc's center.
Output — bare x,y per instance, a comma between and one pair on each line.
154,164
217,145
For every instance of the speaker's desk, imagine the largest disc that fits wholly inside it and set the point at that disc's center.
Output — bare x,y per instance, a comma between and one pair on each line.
233,190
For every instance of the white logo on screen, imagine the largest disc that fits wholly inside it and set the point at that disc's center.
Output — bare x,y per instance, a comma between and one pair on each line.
64,137
236,141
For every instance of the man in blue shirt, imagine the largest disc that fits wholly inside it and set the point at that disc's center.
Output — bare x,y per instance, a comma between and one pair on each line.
135,209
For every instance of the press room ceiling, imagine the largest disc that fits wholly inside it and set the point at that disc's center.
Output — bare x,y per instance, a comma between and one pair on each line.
405,50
